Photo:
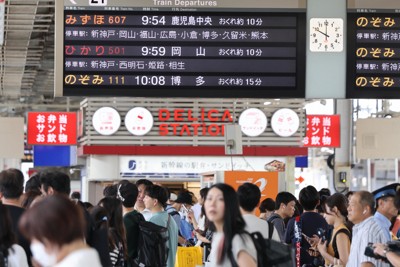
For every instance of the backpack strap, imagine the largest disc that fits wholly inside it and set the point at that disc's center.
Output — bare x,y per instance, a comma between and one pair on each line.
270,229
297,234
273,217
172,211
334,245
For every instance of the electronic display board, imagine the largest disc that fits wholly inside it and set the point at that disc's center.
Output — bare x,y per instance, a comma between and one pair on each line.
180,48
373,49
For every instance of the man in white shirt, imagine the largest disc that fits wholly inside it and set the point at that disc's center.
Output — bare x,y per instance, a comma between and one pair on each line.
249,196
366,230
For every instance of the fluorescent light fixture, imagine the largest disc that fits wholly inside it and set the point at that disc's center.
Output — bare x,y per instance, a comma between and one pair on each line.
2,12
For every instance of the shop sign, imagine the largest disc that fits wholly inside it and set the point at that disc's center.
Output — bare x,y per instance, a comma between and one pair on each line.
285,122
139,121
52,128
106,121
134,165
322,131
188,122
253,122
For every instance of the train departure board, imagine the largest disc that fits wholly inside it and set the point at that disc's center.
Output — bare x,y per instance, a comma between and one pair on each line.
373,48
180,48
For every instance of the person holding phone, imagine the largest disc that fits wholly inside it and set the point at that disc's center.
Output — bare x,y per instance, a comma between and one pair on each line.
337,251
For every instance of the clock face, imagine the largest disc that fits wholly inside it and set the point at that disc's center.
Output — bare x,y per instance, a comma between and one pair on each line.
326,35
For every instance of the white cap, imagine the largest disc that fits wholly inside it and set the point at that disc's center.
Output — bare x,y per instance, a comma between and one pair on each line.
173,197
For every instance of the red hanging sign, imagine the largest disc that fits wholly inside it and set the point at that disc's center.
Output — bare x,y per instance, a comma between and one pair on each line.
52,128
322,131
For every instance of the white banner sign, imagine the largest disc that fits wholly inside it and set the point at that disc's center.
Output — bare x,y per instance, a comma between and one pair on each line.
191,166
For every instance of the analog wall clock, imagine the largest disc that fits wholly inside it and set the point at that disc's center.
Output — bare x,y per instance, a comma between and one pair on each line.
326,35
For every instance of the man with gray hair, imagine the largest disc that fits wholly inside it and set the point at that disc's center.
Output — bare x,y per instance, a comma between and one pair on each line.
366,230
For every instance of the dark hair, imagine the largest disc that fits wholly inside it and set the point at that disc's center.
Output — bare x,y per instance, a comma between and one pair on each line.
349,194
145,182
157,192
397,200
110,190
87,205
11,183
366,199
321,205
56,219
56,179
76,195
7,237
324,192
233,220
283,198
203,192
29,197
33,183
100,218
267,204
309,197
116,231
127,193
249,196
339,201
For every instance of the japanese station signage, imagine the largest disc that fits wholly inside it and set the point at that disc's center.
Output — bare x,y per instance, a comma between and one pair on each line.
322,131
106,121
52,128
140,121
184,122
180,48
285,122
373,48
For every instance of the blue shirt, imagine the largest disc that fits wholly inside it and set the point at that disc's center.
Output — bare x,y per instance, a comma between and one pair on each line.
161,218
384,223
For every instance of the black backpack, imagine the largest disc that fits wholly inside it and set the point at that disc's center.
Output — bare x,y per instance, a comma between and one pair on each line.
271,253
3,260
153,248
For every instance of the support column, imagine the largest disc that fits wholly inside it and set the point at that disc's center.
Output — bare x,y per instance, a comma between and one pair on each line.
343,158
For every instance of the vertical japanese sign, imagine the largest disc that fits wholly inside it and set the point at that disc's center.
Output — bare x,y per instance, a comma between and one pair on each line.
52,128
322,131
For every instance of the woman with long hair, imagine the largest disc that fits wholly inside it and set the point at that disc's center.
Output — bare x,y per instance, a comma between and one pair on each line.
11,254
231,246
335,213
116,230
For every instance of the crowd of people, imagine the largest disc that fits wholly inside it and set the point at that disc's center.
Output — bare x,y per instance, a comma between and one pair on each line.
45,225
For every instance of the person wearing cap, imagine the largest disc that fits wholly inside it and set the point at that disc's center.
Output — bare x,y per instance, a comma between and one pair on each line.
180,210
385,208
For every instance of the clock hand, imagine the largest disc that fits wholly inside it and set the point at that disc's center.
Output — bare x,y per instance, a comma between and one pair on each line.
326,32
323,33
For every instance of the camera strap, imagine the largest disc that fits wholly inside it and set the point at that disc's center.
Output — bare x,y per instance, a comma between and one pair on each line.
297,236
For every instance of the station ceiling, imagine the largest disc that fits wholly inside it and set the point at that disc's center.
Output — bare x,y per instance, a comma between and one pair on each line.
27,59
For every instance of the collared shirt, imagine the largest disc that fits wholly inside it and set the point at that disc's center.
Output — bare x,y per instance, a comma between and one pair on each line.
367,231
384,223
